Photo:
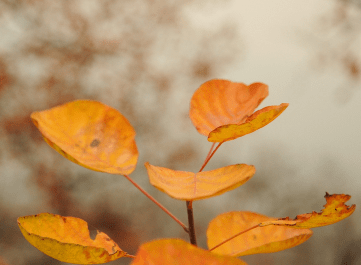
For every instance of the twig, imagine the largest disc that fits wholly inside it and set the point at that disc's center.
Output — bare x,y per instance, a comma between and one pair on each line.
210,156
157,203
192,232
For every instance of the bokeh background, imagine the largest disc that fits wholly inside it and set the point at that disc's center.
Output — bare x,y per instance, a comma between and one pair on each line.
146,58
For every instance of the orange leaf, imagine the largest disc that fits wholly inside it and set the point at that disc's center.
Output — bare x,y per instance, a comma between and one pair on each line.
257,240
91,134
221,103
335,210
67,239
218,102
189,186
179,252
256,121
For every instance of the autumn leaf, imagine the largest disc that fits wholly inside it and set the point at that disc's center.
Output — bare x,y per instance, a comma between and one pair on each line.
335,210
257,240
222,110
218,102
90,134
179,252
254,122
189,186
67,239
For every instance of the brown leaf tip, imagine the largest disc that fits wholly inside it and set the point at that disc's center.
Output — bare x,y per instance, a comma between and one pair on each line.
341,198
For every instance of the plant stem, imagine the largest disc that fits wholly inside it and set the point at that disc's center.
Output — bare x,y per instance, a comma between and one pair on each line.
157,203
210,151
210,156
192,232
240,233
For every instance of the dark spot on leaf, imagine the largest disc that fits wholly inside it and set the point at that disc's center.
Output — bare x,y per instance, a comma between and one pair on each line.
64,219
94,143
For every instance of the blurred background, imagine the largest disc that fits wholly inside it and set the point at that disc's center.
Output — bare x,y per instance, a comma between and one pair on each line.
146,58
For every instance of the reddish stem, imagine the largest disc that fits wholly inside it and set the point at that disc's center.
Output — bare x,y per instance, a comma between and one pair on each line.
240,233
210,156
157,203
210,150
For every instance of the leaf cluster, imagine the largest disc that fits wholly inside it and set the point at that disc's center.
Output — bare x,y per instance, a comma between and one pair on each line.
98,137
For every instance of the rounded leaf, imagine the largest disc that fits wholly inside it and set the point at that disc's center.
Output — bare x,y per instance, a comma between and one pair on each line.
254,122
257,240
219,102
191,186
179,252
90,134
67,239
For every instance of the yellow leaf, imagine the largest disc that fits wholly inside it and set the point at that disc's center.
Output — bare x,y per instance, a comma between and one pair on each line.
179,252
90,134
335,210
256,121
257,240
189,186
67,239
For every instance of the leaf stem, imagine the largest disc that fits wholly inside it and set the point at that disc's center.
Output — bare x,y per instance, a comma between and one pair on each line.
240,233
192,232
210,150
157,203
209,156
